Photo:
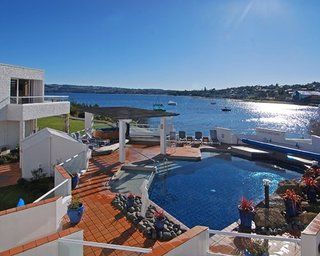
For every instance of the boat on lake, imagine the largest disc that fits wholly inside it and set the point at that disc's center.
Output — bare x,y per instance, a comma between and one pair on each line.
213,103
225,109
172,103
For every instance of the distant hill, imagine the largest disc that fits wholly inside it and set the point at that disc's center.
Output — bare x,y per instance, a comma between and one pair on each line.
257,92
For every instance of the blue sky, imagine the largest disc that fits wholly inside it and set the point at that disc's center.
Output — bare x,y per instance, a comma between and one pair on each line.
173,44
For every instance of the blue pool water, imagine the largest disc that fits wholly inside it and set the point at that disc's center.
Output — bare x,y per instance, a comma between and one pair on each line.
208,192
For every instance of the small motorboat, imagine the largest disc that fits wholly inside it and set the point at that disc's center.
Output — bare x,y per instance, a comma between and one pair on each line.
213,103
225,109
172,103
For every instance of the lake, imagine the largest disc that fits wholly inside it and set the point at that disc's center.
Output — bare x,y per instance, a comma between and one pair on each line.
198,114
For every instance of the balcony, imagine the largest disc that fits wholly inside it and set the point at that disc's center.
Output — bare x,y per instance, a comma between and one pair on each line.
33,107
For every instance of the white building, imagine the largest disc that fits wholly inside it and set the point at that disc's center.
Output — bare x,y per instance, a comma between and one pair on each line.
49,147
22,102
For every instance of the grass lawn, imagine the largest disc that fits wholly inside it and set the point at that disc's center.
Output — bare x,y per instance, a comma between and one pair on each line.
28,191
57,122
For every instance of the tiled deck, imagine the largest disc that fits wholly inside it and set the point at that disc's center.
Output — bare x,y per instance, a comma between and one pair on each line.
101,221
9,174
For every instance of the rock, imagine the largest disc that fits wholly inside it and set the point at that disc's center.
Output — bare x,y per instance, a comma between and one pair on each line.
173,234
131,210
153,234
269,218
166,236
149,215
176,227
288,184
130,216
306,217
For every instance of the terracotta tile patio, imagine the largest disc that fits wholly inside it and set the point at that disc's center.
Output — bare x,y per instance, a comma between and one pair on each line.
101,221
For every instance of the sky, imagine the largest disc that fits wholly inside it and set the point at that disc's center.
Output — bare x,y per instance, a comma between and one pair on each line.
168,44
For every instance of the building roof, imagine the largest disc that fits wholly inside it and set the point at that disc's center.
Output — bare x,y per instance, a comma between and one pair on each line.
43,134
117,113
309,93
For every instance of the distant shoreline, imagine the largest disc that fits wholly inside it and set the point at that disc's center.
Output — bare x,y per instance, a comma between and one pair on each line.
209,98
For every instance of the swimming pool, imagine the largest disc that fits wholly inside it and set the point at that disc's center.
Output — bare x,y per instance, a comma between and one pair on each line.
208,192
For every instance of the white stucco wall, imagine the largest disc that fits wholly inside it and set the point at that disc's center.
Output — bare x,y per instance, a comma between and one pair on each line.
47,150
64,190
226,136
37,110
25,225
55,248
8,71
197,245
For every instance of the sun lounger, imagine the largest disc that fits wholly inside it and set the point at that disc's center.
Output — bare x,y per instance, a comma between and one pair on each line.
182,136
198,136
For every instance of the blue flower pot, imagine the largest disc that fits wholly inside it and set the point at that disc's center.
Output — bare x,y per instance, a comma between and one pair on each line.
312,194
75,215
246,218
159,224
130,201
291,208
74,181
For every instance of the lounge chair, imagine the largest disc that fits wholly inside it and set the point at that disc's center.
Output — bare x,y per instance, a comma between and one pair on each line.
182,140
205,140
198,136
190,140
182,136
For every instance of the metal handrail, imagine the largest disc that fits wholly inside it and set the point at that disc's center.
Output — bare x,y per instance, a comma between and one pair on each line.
40,96
238,234
105,245
50,191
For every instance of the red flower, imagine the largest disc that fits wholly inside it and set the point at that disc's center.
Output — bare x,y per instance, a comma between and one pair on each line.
291,195
246,205
159,215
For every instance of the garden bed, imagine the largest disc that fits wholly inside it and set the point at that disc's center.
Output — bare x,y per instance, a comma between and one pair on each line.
29,191
148,225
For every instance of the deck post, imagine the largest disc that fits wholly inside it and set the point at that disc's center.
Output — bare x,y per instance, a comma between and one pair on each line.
88,122
122,139
22,133
163,143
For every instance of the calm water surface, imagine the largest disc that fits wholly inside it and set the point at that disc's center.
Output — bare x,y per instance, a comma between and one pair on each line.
208,192
198,114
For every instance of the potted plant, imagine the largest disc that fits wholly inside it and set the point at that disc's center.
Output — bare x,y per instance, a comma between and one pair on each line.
311,189
74,180
130,200
246,212
159,220
291,202
75,210
257,248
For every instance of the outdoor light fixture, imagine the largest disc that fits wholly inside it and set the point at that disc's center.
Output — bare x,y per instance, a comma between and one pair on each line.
266,184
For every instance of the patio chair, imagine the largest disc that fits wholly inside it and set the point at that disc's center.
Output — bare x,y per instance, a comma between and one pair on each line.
205,140
182,136
198,136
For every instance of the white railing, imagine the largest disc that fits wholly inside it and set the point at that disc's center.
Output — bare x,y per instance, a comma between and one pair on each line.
274,244
254,236
105,245
37,99
50,191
